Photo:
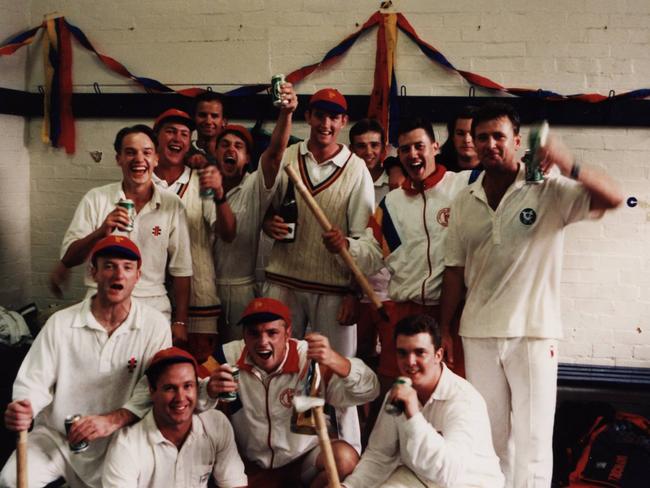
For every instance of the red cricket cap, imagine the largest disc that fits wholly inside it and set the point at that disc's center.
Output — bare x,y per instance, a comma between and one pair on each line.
330,100
115,245
173,115
240,131
261,310
171,355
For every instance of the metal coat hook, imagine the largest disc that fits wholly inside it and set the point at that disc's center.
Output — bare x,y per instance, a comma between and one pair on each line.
612,93
402,91
41,90
208,88
472,92
97,88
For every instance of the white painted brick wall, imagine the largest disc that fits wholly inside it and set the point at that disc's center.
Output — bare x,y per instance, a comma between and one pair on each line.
15,252
569,47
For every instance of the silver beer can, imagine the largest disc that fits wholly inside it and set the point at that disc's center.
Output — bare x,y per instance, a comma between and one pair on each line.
80,446
397,407
276,94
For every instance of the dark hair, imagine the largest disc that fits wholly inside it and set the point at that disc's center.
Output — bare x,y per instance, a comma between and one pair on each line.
154,372
410,124
417,324
391,162
210,96
235,132
367,125
448,155
135,129
496,110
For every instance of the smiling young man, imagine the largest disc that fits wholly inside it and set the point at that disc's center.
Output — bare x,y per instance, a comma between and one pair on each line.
273,368
406,235
505,245
442,438
159,227
206,219
88,359
316,287
209,120
458,153
174,445
249,195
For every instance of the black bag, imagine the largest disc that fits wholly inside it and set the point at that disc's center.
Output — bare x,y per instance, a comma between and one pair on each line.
616,454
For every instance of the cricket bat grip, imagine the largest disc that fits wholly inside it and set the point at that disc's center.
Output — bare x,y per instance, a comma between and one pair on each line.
21,459
327,226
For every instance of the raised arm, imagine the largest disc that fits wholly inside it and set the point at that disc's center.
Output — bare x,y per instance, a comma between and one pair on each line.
272,156
604,191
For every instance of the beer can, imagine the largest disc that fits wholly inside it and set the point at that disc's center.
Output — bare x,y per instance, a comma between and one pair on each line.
130,208
230,396
276,83
536,140
80,446
397,407
206,193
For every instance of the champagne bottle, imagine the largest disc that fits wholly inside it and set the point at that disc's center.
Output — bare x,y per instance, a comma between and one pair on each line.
289,212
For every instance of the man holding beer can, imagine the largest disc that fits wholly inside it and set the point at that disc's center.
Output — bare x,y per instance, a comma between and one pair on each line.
89,360
174,445
273,368
434,429
249,195
160,228
207,218
505,246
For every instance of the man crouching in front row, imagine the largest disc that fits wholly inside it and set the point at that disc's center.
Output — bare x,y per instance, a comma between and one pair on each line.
436,433
273,368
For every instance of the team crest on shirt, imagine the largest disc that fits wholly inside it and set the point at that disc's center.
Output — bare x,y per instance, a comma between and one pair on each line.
156,231
443,217
132,364
528,216
286,397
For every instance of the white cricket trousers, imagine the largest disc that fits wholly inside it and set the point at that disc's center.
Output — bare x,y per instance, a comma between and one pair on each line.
518,380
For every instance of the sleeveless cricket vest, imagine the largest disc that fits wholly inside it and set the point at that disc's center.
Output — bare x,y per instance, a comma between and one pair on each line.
305,264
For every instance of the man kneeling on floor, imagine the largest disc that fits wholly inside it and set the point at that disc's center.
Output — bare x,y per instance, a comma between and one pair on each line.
437,433
173,445
273,368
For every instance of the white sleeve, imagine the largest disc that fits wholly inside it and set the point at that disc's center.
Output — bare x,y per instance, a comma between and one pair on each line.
36,379
361,204
358,387
85,220
432,456
228,470
367,252
572,199
380,458
121,464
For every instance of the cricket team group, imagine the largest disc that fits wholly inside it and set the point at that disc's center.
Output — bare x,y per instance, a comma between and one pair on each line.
180,367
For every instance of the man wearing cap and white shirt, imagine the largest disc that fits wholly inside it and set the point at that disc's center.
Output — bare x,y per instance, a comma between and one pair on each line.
273,369
205,216
249,195
88,359
316,287
159,228
173,446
